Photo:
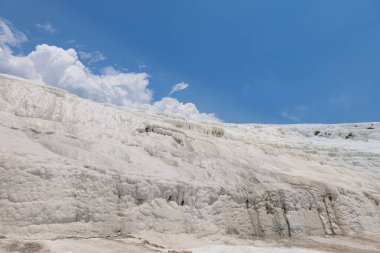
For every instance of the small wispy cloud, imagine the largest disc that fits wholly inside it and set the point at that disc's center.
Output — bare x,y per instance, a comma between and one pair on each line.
296,113
9,35
178,87
140,63
91,57
289,116
70,41
47,27
142,66
343,101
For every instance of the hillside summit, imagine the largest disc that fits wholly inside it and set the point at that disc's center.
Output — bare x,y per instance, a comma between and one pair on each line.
71,167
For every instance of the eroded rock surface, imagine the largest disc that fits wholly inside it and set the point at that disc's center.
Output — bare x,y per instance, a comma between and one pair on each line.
72,167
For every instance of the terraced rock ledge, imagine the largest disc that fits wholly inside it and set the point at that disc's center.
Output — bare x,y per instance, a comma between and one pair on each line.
73,167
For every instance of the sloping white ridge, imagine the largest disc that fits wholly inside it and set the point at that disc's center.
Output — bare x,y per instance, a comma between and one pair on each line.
73,167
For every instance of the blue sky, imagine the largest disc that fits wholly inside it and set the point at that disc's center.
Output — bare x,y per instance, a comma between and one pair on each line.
246,61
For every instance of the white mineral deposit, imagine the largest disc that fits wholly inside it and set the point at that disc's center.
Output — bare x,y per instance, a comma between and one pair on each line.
79,176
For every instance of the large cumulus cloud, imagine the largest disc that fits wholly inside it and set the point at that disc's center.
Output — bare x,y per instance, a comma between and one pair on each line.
62,68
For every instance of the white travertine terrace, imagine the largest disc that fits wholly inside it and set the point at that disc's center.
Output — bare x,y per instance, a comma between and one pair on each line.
73,167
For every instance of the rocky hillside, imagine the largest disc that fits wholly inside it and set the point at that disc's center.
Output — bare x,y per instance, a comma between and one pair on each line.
73,167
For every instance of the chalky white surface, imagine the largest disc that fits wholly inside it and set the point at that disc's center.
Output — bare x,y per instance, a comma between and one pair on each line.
73,167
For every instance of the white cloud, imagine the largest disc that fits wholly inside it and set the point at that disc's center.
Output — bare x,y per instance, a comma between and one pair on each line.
188,111
70,41
62,68
289,116
91,57
178,87
296,113
343,101
47,27
59,67
9,36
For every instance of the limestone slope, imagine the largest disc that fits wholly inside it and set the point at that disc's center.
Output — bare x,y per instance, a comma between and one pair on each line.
73,167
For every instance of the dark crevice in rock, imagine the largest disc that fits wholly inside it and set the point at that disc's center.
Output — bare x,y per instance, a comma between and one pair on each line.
160,130
284,212
178,136
288,225
35,131
139,201
118,195
372,199
328,215
77,216
267,208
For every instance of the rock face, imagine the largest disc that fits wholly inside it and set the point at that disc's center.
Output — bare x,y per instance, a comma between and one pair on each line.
73,167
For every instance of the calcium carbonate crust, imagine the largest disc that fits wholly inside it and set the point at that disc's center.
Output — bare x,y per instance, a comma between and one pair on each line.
73,167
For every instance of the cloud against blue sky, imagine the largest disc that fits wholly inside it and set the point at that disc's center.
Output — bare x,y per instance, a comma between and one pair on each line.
178,87
47,27
252,61
9,36
62,68
91,57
